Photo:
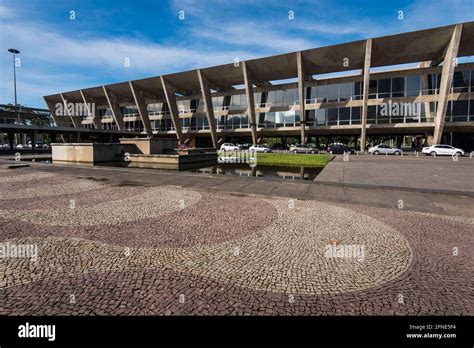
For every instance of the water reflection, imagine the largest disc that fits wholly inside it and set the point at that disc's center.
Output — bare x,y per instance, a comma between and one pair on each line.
288,173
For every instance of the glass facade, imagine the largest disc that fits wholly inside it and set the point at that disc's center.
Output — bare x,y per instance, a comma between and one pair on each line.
388,112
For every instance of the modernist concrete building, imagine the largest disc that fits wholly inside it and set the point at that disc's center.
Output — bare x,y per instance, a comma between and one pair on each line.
335,90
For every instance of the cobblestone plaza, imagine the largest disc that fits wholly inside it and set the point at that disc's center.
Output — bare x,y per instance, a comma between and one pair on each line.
121,247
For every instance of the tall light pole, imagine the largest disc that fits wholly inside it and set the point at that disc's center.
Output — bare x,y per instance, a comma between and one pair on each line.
14,51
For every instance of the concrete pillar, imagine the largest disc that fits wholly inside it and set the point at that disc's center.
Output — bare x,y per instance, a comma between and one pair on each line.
447,73
142,108
208,106
301,92
366,74
173,108
250,102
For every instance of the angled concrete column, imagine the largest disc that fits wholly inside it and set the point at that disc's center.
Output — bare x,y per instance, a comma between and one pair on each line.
447,73
366,74
92,112
301,92
250,102
142,109
206,97
114,105
171,101
74,119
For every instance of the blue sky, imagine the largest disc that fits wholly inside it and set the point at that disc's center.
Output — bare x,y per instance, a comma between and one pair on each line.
60,54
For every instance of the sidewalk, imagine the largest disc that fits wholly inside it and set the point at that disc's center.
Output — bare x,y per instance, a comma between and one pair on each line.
420,174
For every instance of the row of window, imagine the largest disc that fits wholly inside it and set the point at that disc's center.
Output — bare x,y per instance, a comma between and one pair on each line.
412,85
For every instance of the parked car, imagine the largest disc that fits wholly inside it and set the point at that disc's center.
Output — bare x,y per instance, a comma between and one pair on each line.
437,150
385,149
339,149
244,146
6,146
20,146
260,148
301,148
278,146
229,147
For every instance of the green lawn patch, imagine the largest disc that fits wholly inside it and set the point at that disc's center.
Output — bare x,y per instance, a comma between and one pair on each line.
287,159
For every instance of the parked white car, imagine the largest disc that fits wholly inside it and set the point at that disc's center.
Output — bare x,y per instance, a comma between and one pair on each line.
385,149
259,148
437,150
229,147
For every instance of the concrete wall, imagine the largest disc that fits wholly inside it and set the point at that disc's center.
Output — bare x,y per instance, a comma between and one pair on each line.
150,146
89,153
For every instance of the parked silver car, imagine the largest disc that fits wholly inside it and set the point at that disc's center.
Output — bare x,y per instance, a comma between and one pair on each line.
301,148
385,150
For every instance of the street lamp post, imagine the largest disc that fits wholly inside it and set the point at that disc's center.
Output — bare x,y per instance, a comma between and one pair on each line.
14,51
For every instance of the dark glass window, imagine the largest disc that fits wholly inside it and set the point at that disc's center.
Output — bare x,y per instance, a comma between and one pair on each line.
460,110
356,111
358,90
384,88
461,81
373,89
372,114
344,115
413,85
431,84
448,112
332,116
398,87
471,110
472,80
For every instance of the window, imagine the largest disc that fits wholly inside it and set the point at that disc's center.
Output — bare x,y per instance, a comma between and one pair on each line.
358,90
321,93
291,96
373,89
344,115
472,80
371,114
332,116
345,91
355,115
384,88
431,84
448,112
460,110
413,85
398,87
333,93
279,98
320,115
461,81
